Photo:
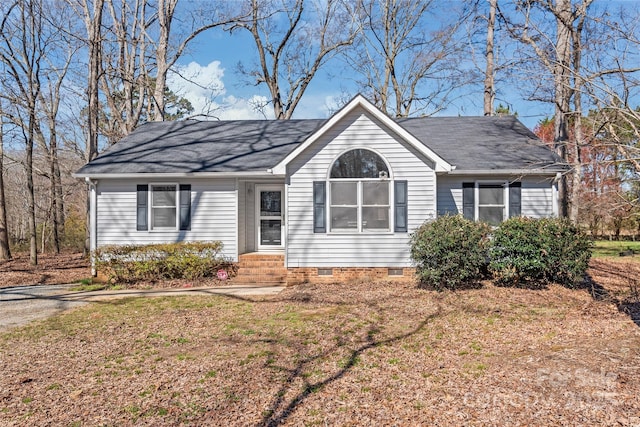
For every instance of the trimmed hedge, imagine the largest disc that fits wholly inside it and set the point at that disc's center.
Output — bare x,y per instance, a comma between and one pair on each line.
450,252
539,251
133,263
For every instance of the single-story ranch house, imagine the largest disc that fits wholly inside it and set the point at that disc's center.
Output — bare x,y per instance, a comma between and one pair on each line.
316,200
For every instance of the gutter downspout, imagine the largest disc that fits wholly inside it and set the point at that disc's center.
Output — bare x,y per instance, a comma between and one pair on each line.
93,221
556,202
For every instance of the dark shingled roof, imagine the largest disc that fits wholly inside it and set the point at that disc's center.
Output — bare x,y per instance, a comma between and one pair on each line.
483,143
469,143
203,146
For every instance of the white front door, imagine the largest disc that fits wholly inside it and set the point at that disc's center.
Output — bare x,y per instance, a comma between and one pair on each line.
270,217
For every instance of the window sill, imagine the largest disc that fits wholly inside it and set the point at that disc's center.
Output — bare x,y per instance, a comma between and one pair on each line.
359,233
163,229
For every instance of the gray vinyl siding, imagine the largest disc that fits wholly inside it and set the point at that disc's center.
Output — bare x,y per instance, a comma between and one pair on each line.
537,194
213,214
357,130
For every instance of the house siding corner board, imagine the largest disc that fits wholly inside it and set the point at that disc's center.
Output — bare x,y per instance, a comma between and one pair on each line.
357,130
213,214
242,208
536,196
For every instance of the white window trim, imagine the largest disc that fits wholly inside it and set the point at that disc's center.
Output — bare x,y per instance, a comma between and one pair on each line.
476,198
150,207
283,231
360,229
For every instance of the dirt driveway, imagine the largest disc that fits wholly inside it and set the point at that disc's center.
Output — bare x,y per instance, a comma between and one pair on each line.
23,304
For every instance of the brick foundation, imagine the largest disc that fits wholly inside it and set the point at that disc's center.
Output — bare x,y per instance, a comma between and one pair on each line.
296,276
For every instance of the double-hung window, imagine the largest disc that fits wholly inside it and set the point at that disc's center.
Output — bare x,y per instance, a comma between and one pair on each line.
164,206
491,206
491,202
361,205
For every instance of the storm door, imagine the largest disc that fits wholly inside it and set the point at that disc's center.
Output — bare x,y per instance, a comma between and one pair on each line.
270,217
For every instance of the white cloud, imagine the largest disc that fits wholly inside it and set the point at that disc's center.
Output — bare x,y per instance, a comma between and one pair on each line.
242,109
203,86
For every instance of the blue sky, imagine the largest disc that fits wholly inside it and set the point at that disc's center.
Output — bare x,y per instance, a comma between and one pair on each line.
211,63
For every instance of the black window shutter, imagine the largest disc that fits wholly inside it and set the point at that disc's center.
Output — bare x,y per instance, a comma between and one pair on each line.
141,208
185,206
515,199
319,207
468,203
401,212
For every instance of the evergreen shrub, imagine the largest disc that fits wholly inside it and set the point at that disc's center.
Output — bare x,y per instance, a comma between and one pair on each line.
450,252
133,263
527,251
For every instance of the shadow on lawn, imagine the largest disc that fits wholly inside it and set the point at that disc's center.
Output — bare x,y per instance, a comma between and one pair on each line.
279,409
627,302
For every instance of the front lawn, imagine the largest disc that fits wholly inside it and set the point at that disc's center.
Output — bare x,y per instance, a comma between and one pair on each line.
358,354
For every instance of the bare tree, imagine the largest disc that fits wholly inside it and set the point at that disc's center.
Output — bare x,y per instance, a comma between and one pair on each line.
23,44
58,63
167,50
614,88
294,39
91,13
125,64
576,54
405,62
560,59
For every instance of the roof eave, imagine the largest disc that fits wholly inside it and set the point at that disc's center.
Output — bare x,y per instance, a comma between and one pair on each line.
124,175
521,171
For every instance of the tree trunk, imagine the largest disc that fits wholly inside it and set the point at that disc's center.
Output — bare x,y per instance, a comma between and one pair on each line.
5,251
576,154
31,202
60,215
562,95
55,229
488,75
93,23
166,9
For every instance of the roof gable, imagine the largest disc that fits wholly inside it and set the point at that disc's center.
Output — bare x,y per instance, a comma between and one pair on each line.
359,101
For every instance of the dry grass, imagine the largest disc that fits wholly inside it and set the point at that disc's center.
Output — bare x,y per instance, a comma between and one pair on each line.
51,269
364,354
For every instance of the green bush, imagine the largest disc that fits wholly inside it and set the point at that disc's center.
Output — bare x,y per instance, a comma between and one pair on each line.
450,252
539,251
133,263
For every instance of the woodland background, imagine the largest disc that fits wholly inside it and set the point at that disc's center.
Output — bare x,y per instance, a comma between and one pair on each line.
77,75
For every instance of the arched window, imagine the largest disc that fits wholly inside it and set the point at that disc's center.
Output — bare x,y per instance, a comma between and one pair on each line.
359,163
359,192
